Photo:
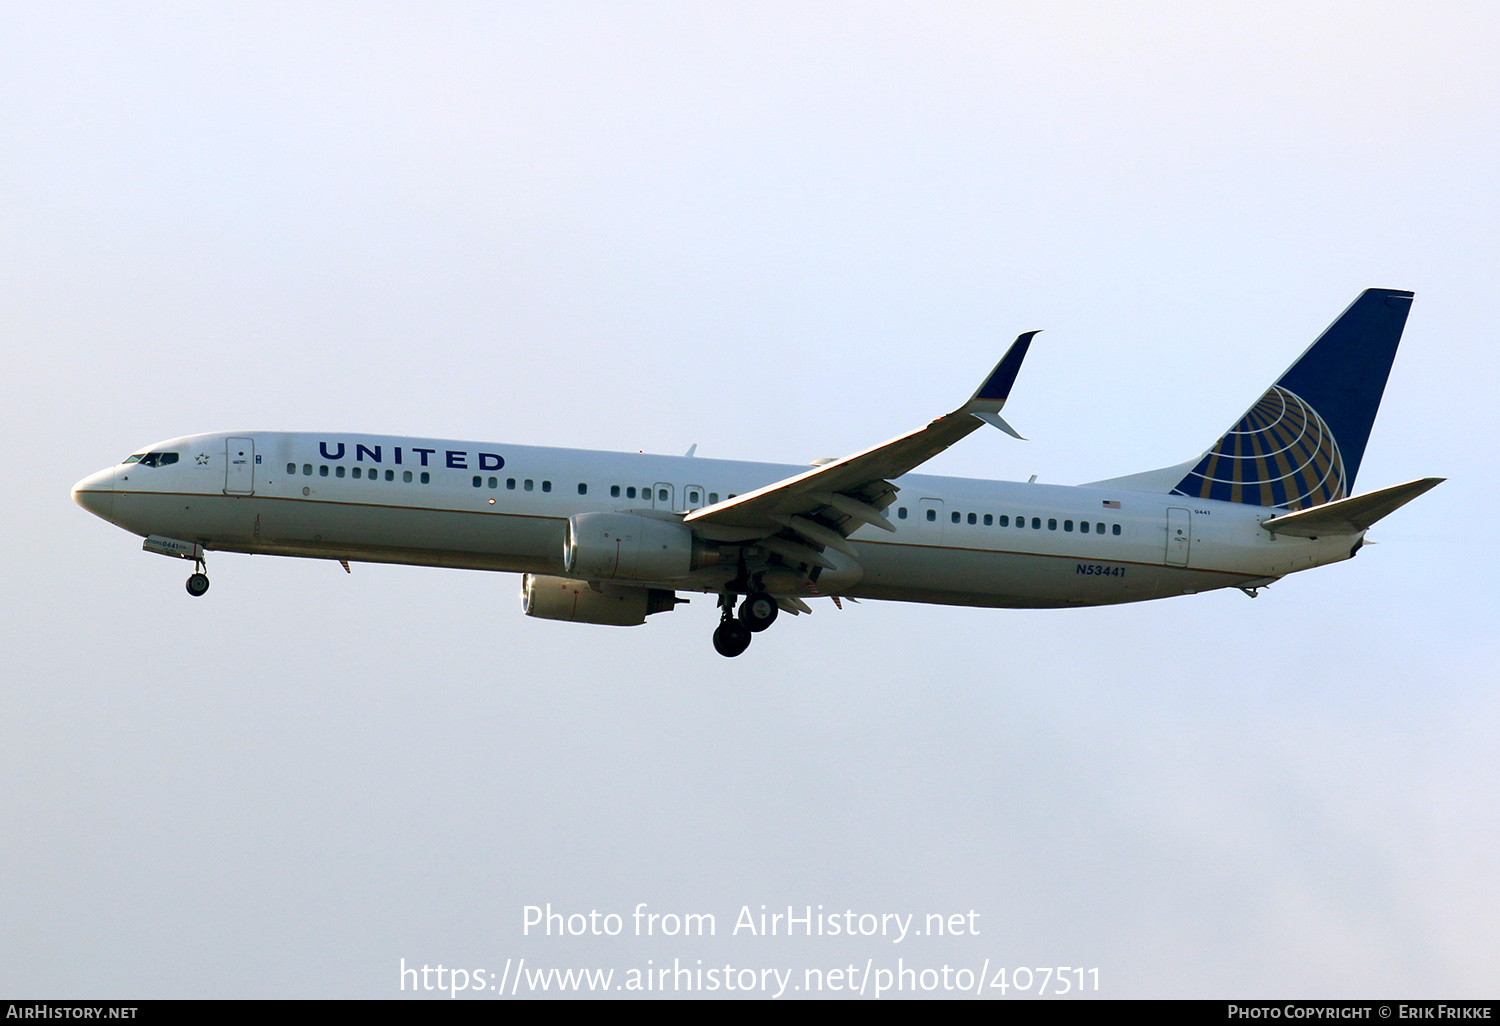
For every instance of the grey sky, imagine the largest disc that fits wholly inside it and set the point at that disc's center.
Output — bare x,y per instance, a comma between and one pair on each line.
779,232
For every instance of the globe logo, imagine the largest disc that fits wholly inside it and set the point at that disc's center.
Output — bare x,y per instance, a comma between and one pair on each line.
1281,453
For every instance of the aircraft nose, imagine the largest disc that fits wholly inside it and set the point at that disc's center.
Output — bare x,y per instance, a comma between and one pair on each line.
96,493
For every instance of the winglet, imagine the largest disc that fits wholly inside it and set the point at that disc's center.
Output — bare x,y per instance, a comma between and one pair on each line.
998,421
996,387
987,402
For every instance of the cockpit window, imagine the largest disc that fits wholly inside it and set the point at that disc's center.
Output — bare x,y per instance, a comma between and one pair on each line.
154,459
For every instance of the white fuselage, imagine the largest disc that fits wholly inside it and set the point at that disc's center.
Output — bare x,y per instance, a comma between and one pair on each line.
505,507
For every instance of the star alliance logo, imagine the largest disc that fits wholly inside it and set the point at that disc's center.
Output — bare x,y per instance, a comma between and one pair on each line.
202,459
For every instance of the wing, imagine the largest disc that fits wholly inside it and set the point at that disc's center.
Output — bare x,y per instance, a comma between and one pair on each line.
826,504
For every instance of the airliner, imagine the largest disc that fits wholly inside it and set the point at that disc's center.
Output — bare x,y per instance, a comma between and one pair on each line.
613,538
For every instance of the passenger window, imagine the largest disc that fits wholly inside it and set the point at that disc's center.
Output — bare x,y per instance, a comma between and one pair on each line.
661,495
901,513
390,475
307,469
693,496
630,492
988,520
1067,525
614,491
528,484
583,489
493,482
357,473
323,471
406,476
546,486
932,514
973,519
338,471
713,497
291,468
478,481
510,484
427,478
955,516
1004,520
1051,524
1099,528
1116,529
1036,523
1083,526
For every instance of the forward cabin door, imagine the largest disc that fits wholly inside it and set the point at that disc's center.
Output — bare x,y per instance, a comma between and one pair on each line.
1179,536
239,466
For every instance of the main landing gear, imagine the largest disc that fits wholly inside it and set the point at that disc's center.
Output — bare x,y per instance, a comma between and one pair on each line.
758,611
733,634
731,637
197,584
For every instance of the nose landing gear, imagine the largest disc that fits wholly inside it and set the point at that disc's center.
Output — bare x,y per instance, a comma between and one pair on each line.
197,584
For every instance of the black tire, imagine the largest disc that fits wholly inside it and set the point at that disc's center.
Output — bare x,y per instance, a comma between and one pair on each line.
197,585
731,638
758,611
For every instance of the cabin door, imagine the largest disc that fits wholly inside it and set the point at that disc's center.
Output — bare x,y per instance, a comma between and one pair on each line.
239,466
1179,536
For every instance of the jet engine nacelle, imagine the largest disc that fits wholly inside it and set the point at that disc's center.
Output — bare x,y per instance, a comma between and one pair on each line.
628,547
561,598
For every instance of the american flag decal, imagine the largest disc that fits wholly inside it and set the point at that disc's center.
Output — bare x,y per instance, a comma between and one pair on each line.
1111,504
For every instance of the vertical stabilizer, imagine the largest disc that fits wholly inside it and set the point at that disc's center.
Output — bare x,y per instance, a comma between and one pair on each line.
1301,444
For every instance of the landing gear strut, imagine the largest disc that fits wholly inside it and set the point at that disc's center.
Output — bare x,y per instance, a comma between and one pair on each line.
732,636
197,584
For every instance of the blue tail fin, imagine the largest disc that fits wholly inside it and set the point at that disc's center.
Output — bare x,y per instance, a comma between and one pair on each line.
1301,444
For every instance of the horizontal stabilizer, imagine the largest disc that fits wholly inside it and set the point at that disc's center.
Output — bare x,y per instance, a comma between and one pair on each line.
1352,515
